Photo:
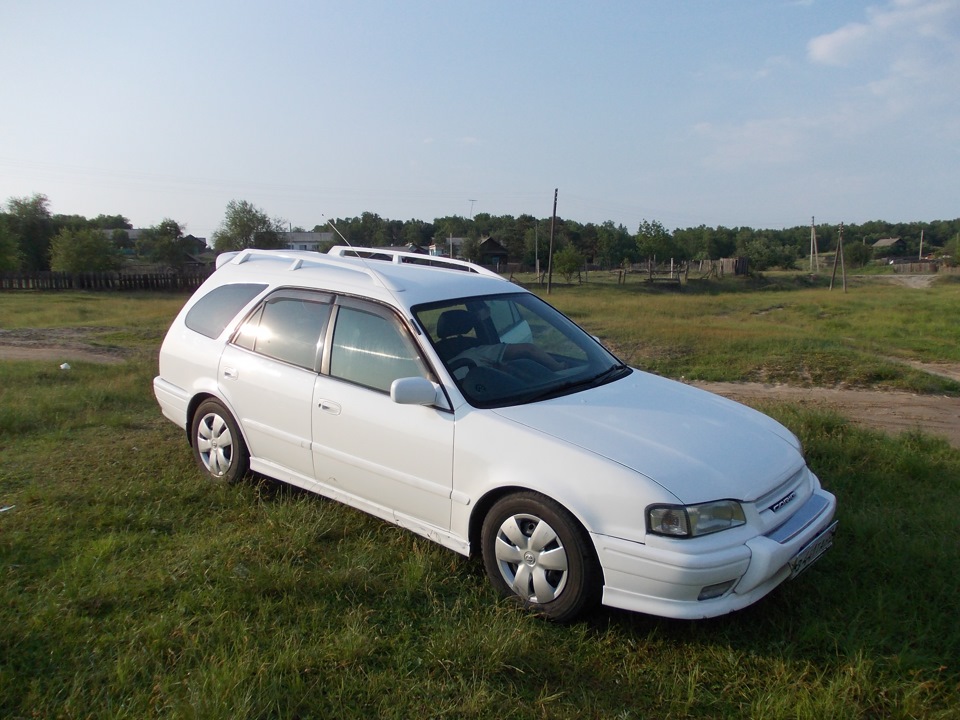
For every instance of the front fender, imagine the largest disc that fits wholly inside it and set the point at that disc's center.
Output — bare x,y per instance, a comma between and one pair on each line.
493,454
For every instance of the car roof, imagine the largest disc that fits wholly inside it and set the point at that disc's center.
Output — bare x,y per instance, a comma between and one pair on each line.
400,278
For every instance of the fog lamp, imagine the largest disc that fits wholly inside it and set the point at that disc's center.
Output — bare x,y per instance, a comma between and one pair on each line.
715,591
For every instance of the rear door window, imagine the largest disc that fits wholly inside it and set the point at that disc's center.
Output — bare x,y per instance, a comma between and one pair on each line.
289,326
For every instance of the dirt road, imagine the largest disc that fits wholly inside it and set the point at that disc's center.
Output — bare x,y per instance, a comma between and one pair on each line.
892,412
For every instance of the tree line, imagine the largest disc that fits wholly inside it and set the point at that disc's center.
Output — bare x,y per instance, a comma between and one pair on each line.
34,239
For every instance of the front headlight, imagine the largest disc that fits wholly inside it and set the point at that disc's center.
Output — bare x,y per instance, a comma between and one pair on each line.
694,520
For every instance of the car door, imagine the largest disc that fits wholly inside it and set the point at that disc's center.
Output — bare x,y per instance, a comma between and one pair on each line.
267,375
396,459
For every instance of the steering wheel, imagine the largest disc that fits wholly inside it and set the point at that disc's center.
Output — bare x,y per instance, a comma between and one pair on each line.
458,363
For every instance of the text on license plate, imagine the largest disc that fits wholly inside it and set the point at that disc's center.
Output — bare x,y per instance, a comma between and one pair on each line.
813,550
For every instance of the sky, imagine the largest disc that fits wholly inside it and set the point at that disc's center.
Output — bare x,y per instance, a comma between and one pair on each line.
759,113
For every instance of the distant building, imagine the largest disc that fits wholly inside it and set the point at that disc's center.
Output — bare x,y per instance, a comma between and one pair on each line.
451,247
312,241
198,245
889,246
492,253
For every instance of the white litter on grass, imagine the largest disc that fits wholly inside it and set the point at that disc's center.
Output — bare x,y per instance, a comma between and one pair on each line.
65,366
8,507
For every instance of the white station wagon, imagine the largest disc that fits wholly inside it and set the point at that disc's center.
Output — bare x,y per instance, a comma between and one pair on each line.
441,397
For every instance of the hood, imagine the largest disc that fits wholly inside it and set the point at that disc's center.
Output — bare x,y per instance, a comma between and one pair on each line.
696,445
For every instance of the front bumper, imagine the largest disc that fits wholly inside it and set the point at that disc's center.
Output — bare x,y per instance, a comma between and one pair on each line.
669,581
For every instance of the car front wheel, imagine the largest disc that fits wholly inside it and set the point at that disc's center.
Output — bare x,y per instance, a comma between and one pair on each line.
534,550
218,446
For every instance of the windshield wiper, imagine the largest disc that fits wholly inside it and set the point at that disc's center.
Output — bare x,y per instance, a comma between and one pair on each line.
614,372
611,373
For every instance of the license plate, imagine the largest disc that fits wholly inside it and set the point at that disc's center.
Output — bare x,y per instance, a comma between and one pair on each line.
813,550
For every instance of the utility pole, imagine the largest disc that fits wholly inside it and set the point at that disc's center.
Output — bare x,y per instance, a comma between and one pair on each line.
553,223
921,245
536,251
836,257
814,258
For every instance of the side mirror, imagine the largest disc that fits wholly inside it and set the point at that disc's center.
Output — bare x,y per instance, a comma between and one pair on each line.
414,391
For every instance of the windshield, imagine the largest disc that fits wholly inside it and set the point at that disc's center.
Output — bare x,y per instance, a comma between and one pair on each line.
513,349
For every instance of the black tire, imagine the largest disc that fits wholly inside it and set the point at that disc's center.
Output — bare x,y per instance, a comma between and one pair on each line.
536,552
218,445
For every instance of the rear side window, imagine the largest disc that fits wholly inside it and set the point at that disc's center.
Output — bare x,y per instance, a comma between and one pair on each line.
214,311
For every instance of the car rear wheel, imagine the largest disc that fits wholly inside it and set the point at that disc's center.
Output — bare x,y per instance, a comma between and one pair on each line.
535,551
218,446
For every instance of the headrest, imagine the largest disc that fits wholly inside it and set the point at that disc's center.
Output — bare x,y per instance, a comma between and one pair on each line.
454,322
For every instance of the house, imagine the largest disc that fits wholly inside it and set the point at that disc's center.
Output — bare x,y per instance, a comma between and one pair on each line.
313,241
196,245
492,253
451,247
889,246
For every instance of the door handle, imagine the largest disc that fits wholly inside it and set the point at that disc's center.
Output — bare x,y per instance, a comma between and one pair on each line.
328,406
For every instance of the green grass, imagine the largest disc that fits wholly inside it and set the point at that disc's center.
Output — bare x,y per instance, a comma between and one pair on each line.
131,588
777,331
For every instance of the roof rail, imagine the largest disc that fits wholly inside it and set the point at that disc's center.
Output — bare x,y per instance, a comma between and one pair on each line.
399,257
301,259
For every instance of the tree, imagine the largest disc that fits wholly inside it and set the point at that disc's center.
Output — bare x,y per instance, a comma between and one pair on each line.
765,249
245,226
653,241
111,222
9,249
165,244
453,226
470,249
121,238
567,262
614,245
417,232
32,226
88,250
951,251
857,254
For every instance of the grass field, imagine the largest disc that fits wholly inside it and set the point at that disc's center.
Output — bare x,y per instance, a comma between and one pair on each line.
130,588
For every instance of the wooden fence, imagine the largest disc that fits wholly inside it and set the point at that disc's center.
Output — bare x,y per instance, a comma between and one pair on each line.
918,268
187,280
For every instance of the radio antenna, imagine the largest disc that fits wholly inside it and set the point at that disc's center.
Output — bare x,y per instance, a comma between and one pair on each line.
373,270
335,229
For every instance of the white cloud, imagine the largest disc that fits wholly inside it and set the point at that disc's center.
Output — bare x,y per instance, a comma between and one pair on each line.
906,57
756,143
924,29
840,46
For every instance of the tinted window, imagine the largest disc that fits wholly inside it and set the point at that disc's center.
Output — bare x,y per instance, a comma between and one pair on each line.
372,349
288,329
513,349
214,311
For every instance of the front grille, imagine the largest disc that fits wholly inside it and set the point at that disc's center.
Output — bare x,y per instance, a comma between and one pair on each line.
800,520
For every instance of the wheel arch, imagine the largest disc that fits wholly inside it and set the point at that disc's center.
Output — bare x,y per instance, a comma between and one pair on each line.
197,400
488,500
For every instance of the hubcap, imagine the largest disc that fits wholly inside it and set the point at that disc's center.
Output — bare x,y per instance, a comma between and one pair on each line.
215,444
531,558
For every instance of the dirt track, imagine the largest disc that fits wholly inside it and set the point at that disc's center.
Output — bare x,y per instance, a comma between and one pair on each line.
892,412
